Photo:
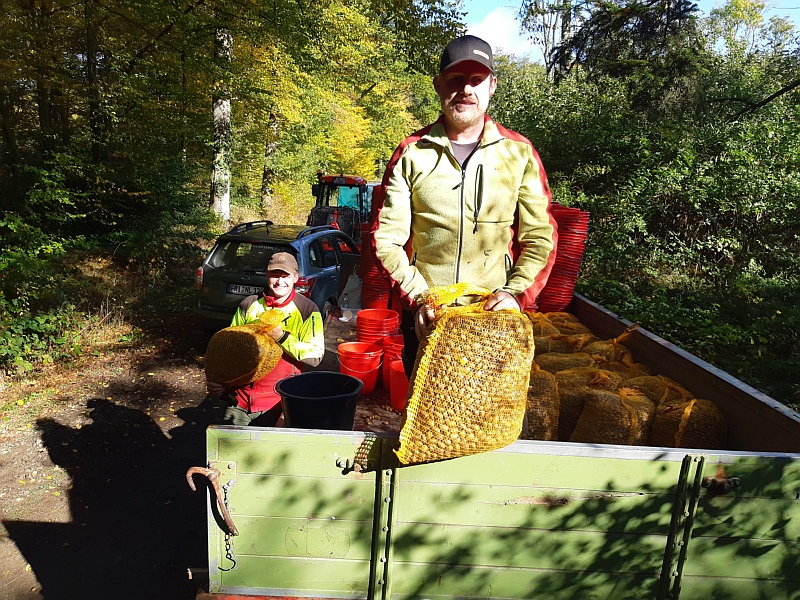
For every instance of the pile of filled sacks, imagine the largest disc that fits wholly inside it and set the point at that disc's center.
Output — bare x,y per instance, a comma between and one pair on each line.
584,389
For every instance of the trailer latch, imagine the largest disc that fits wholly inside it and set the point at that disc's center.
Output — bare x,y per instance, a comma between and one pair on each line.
720,485
213,476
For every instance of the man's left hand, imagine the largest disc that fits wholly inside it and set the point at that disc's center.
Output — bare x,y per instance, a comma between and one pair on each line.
276,333
501,300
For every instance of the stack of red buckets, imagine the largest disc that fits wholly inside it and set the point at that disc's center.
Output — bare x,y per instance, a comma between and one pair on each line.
375,290
573,225
380,327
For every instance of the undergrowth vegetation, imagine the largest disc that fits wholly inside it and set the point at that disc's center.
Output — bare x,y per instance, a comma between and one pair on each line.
684,147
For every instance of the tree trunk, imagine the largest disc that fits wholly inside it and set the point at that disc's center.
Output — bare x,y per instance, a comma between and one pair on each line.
223,130
268,175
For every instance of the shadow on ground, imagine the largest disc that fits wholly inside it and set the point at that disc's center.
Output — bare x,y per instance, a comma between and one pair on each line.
136,526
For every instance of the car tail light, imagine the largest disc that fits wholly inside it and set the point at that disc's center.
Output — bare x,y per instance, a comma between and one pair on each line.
304,285
198,278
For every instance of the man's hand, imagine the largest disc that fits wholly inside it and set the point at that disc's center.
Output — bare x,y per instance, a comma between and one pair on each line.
276,333
215,389
501,300
423,320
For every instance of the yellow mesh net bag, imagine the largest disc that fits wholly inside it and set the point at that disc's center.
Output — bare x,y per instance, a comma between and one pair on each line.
238,355
622,417
470,382
574,385
689,423
553,362
659,388
542,406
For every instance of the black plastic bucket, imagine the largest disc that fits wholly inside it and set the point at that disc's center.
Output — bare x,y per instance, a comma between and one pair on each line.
319,400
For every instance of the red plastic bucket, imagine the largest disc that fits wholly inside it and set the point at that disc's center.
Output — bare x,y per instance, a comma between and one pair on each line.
392,350
398,385
361,360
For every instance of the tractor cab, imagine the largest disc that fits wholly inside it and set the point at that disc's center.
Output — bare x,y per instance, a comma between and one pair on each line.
343,201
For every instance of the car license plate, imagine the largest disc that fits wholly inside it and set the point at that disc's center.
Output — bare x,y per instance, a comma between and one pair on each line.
244,290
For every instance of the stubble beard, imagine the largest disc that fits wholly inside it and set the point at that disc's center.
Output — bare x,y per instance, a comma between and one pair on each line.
465,118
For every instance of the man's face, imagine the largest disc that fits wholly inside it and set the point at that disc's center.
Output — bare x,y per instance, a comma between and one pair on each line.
281,284
464,92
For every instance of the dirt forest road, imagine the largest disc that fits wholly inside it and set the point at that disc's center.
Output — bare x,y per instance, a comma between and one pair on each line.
93,495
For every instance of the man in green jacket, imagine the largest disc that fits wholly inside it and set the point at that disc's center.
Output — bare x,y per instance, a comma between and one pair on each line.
463,200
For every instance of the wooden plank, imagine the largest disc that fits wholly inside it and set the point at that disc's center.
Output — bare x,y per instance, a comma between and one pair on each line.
744,559
303,538
556,510
345,497
294,577
756,421
743,518
275,451
417,581
732,588
515,547
554,465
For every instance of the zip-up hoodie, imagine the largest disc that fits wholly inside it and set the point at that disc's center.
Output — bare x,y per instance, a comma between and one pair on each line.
489,223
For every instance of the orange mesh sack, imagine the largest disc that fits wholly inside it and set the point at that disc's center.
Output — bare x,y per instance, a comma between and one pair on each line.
571,327
553,362
659,388
561,317
541,324
562,343
542,406
574,385
623,417
612,350
625,368
470,382
238,355
689,424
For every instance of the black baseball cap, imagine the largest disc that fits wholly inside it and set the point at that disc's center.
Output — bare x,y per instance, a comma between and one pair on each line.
467,47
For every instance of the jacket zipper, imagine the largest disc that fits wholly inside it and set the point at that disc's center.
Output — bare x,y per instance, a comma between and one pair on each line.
462,205
461,221
478,195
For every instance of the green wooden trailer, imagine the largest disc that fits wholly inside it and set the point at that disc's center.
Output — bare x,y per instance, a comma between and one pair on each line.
331,514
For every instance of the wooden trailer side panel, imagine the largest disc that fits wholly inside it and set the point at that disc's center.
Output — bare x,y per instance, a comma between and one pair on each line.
745,541
305,522
534,521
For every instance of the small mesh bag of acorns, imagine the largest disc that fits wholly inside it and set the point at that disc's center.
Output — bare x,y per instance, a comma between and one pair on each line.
241,354
470,381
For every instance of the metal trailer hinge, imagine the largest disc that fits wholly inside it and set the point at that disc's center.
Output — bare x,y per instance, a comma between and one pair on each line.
680,530
381,552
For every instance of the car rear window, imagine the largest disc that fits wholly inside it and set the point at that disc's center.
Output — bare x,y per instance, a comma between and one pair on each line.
243,256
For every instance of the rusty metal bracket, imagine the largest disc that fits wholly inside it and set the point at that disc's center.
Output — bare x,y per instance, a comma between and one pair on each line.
716,485
213,476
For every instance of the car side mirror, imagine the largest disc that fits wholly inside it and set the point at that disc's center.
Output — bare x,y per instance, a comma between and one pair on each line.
315,189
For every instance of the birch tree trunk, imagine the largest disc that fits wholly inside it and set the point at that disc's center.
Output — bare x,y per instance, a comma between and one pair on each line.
223,130
268,175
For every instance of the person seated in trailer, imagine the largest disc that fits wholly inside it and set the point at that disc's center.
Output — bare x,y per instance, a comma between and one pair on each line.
300,335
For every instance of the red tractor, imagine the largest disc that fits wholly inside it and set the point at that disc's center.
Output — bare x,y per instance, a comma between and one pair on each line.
343,201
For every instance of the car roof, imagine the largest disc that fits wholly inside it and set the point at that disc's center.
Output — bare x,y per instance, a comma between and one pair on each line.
266,231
